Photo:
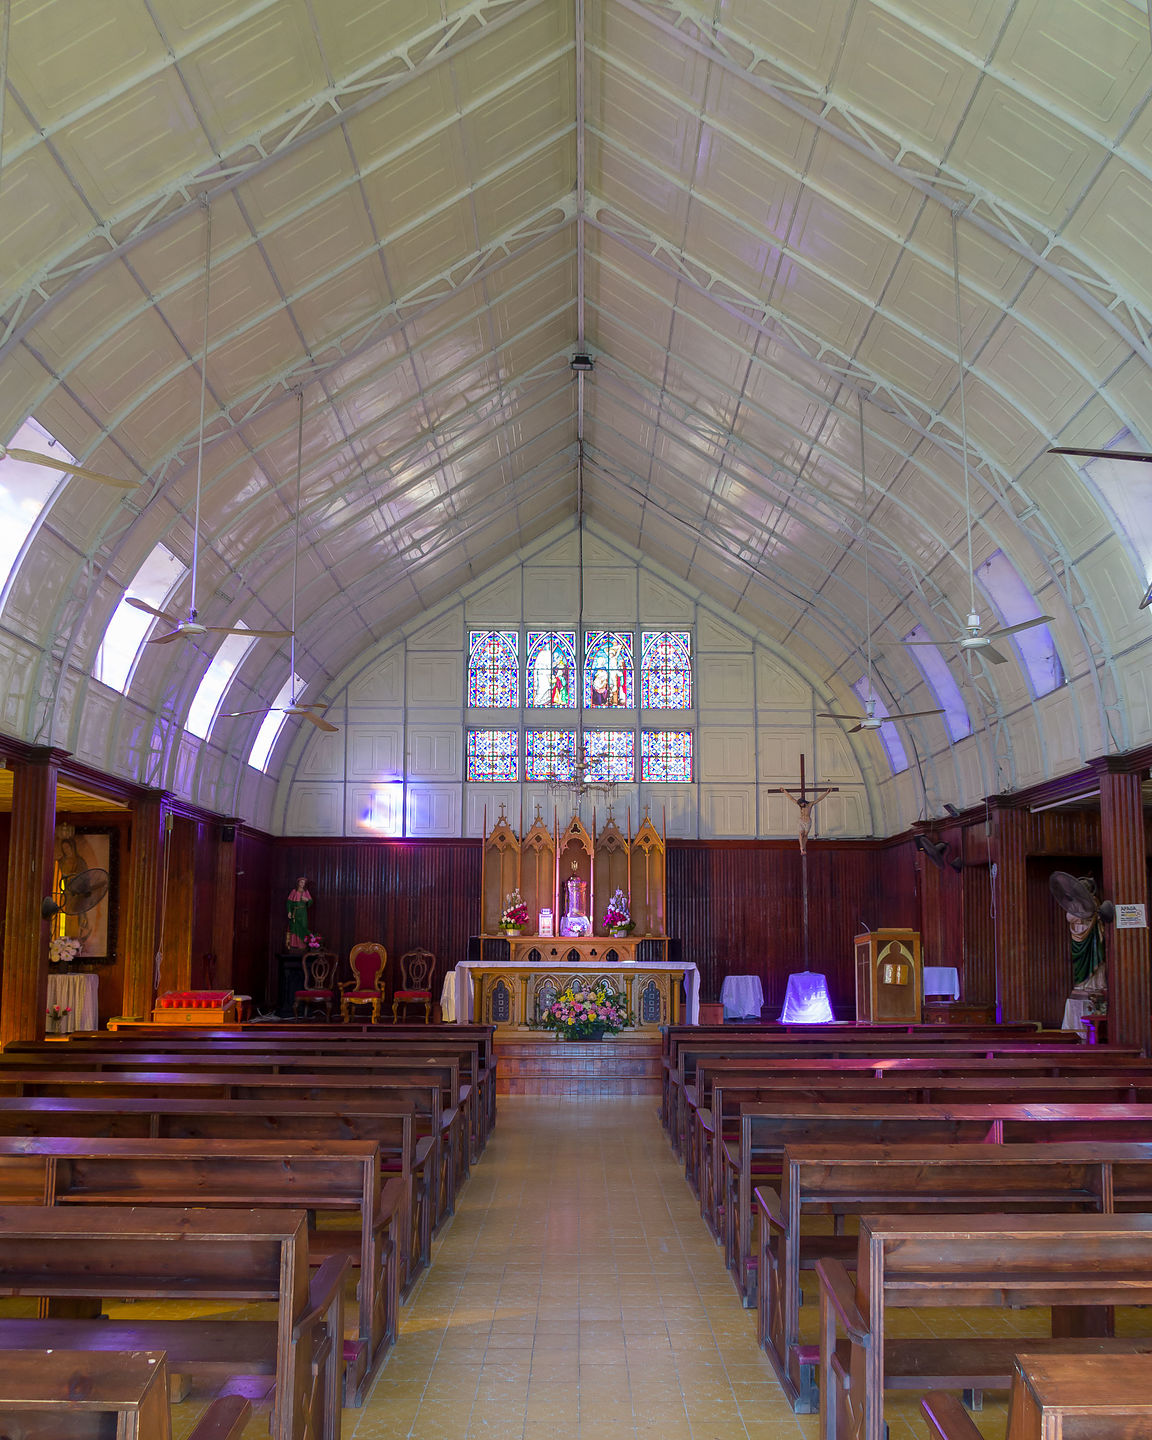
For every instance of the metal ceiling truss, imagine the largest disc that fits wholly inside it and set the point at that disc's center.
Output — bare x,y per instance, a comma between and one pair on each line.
932,426
111,239
703,34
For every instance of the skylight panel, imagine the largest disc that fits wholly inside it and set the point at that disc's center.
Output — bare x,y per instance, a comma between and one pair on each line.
1125,486
209,693
272,724
25,490
940,681
154,582
1015,603
889,735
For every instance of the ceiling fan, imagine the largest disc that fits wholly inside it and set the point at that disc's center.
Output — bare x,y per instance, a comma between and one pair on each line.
870,720
33,457
314,711
1140,456
182,627
975,637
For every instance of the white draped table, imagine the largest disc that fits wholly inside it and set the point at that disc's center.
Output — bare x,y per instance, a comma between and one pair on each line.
942,980
741,995
75,992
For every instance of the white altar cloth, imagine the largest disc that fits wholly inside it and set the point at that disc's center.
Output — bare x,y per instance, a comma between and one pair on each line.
806,999
741,995
942,980
75,992
464,984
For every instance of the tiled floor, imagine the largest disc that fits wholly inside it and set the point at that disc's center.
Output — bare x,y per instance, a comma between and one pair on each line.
576,1295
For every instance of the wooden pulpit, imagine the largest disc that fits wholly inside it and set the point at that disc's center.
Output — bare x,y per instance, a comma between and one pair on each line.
889,978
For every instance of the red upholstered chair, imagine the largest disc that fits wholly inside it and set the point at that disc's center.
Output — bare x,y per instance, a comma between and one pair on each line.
317,988
416,968
368,961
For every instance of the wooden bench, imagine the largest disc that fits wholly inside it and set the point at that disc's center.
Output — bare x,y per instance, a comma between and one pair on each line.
85,1395
161,1254
1074,1264
767,1128
424,1091
842,1180
90,1053
389,1127
1060,1397
338,1176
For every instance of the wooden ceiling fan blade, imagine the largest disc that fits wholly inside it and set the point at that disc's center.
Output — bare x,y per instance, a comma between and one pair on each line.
828,715
237,714
854,728
991,653
1147,600
31,457
1015,629
253,634
912,714
320,722
151,610
165,639
1102,454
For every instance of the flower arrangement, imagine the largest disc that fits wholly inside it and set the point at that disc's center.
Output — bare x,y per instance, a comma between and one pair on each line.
618,918
56,1014
62,949
515,915
313,942
579,1014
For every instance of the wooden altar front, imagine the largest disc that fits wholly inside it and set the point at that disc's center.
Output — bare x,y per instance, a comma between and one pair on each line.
514,996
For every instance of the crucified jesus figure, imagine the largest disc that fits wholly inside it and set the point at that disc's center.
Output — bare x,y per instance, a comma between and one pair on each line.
805,804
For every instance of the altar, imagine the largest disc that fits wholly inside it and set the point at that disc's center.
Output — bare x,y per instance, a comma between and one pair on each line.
512,996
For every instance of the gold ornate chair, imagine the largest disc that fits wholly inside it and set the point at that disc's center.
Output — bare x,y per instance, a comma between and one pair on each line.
317,988
415,986
368,961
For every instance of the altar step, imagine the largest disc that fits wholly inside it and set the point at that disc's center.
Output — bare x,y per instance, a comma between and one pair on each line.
577,1070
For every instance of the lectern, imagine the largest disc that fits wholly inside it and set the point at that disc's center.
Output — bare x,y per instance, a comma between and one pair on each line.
888,977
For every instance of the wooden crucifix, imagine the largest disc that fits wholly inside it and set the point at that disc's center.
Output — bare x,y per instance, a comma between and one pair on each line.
804,803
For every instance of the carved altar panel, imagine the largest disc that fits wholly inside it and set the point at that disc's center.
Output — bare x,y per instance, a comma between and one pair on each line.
648,882
513,997
538,873
500,872
610,869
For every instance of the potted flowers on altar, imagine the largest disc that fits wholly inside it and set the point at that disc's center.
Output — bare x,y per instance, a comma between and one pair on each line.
618,918
515,915
582,1014
55,1018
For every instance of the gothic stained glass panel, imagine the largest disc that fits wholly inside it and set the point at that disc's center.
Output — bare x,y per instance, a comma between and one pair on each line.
550,672
611,755
608,670
493,669
549,754
666,755
666,670
492,755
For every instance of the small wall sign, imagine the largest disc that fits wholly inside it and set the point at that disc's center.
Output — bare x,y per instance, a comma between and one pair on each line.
1131,917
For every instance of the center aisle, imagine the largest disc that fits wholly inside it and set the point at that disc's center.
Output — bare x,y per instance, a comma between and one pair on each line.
576,1295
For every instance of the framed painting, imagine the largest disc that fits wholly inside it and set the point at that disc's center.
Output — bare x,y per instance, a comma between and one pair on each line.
86,876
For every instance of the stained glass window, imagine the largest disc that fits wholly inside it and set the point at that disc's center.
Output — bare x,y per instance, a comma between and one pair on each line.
666,755
549,754
608,670
550,674
611,755
492,755
493,669
666,670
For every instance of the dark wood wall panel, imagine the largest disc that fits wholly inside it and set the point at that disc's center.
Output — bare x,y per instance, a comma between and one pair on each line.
251,941
404,893
738,909
978,980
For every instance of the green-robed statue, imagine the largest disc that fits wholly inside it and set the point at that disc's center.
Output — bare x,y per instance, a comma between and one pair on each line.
298,902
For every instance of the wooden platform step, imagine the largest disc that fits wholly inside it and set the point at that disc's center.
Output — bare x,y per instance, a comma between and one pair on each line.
577,1069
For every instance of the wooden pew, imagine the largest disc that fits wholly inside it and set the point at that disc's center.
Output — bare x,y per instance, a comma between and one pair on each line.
841,1180
424,1091
1071,1263
1060,1397
287,1055
86,1395
390,1127
766,1129
237,1256
341,1176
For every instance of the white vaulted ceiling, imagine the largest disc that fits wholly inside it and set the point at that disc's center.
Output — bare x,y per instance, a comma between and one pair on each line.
741,210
